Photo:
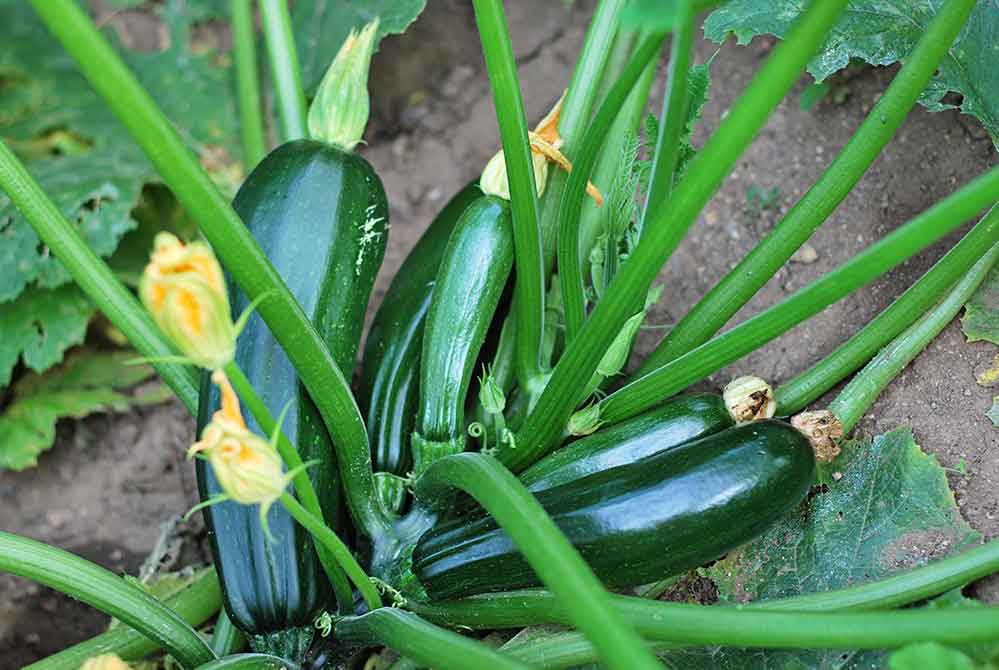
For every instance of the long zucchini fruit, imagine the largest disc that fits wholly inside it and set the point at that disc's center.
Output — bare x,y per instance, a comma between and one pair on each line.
321,215
640,522
470,282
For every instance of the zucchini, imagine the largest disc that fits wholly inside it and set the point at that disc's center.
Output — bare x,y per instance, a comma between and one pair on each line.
388,388
639,522
470,282
678,421
320,215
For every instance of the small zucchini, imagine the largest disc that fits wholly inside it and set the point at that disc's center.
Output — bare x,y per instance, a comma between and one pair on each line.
639,522
680,420
320,215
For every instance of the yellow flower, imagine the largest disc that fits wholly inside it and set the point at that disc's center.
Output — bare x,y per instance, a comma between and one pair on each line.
105,662
546,145
184,291
248,467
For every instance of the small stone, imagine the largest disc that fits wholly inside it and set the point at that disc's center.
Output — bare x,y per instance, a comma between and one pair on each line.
33,639
806,255
837,476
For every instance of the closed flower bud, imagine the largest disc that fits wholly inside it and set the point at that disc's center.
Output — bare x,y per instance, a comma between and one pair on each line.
491,395
749,398
585,421
183,289
339,112
105,662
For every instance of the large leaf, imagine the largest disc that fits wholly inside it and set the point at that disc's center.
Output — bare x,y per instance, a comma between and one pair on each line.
981,314
882,32
321,25
884,507
86,383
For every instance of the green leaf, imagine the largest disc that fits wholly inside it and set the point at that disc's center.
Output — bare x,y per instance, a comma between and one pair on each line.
87,382
930,655
698,86
882,32
322,25
981,314
884,506
993,412
812,95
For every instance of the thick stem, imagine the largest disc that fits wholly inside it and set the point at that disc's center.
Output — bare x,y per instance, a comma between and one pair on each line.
285,73
95,586
545,424
247,662
728,296
529,299
234,244
251,122
546,549
878,258
858,396
569,268
94,276
421,641
226,638
797,393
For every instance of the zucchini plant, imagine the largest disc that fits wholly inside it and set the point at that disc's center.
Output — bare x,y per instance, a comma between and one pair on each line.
415,505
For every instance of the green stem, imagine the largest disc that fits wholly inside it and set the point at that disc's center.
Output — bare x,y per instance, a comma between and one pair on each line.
95,586
878,258
584,87
195,605
546,549
544,425
570,209
94,276
857,397
247,662
799,392
730,294
303,484
251,122
421,641
285,72
226,638
336,547
674,115
529,299
559,650
240,253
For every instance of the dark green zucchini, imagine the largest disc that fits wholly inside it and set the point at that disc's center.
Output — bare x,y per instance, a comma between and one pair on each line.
470,282
679,420
640,522
320,215
389,385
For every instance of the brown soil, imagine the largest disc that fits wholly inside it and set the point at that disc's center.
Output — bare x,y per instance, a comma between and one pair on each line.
110,482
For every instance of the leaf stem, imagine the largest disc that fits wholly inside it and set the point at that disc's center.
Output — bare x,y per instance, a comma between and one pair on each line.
195,604
234,244
858,396
545,424
797,393
529,299
569,267
549,553
247,83
226,638
286,74
247,662
336,547
734,290
917,234
94,276
95,586
421,641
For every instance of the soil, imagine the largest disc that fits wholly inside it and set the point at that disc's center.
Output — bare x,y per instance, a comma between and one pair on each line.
111,481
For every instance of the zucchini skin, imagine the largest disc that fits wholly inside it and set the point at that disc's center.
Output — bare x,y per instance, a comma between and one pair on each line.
680,420
389,384
640,522
320,215
473,273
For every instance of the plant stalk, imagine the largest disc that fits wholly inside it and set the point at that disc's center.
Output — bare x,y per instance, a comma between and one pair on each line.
285,73
251,122
226,638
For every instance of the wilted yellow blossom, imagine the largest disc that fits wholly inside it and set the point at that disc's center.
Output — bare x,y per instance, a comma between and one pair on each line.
184,291
105,662
546,145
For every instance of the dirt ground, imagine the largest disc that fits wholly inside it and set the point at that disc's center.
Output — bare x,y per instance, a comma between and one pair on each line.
110,482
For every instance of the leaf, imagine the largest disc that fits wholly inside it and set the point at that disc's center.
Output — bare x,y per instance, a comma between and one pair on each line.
890,510
993,412
930,655
882,32
698,85
981,314
87,382
321,26
812,95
